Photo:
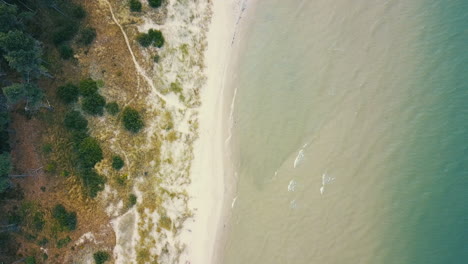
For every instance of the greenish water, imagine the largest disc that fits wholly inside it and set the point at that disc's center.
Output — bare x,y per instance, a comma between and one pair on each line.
352,133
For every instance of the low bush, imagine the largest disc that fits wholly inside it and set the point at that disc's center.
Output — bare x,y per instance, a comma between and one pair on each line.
87,36
78,12
112,108
63,242
74,120
132,199
66,52
132,120
65,32
92,181
117,162
89,152
94,105
66,220
155,3
30,260
135,5
153,37
88,87
101,257
68,93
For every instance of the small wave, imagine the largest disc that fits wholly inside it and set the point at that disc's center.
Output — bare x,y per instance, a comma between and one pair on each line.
292,186
293,204
299,158
233,202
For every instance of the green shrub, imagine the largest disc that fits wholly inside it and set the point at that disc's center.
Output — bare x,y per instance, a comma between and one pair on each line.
89,152
66,220
51,167
93,182
112,108
38,221
94,105
135,5
74,120
68,93
157,37
153,37
78,137
144,39
101,257
87,36
66,52
132,199
155,3
63,242
156,58
43,242
132,120
117,162
65,32
30,260
47,148
88,87
78,12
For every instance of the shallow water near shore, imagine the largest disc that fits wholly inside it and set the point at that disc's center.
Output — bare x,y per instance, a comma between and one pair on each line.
351,119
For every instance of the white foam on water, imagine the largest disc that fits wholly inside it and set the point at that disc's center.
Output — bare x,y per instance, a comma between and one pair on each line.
325,180
293,204
233,202
292,186
299,158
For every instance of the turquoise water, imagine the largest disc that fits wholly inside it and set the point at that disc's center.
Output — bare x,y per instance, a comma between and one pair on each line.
352,133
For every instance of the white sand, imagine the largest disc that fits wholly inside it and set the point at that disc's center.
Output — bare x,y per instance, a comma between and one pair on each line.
209,170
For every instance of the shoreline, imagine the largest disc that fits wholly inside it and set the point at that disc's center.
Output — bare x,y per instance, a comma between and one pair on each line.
211,170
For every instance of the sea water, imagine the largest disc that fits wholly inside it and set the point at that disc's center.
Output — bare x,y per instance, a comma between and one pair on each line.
351,133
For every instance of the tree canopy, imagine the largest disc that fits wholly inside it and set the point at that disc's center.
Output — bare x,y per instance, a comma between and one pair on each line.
132,120
89,152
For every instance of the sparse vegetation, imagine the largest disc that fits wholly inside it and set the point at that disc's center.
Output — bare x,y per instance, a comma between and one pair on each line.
93,182
117,162
132,199
101,257
132,120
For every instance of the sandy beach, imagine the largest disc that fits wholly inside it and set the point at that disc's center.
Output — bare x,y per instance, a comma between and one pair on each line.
211,190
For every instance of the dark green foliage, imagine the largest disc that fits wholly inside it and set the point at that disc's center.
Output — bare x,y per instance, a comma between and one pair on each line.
156,37
30,260
4,183
132,199
87,36
155,3
68,93
9,18
65,31
78,137
156,58
66,52
93,182
14,93
144,39
74,120
153,37
78,12
101,257
5,163
47,148
43,242
63,242
66,220
29,92
89,152
112,108
94,105
4,118
88,87
117,162
135,5
22,52
132,120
